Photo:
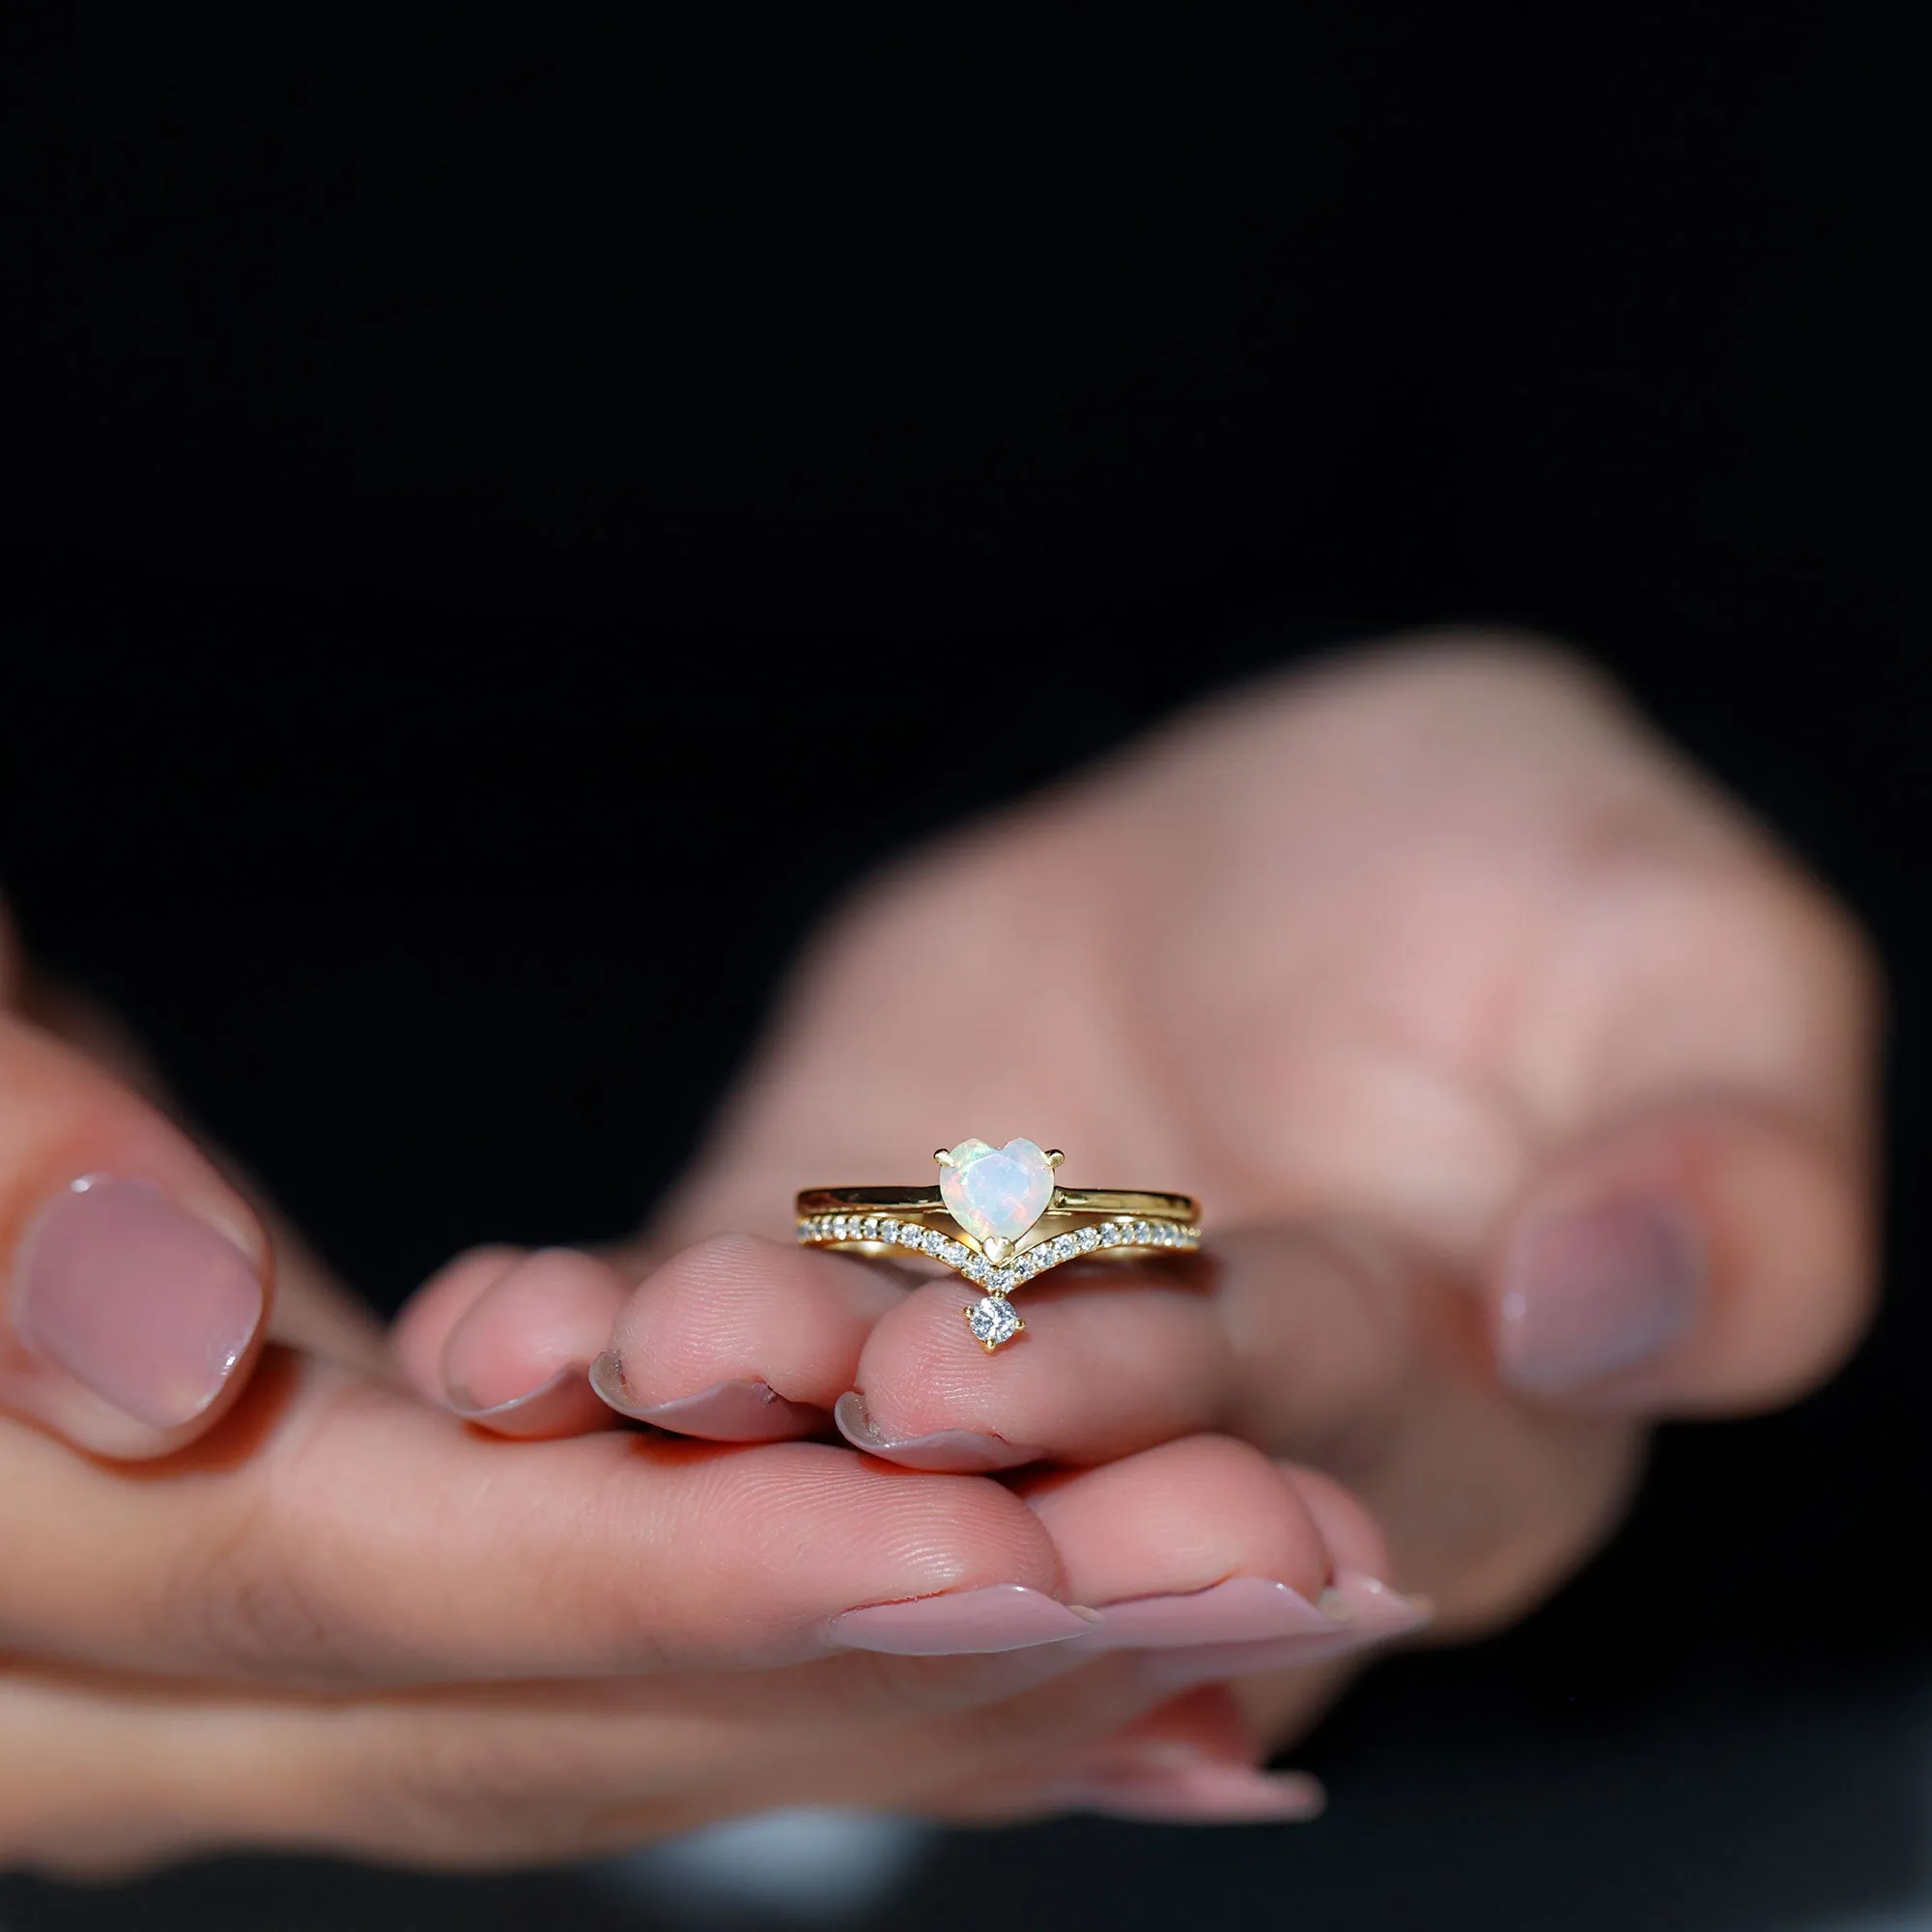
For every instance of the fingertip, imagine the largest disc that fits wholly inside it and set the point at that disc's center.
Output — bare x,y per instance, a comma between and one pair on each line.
1353,1538
423,1329
516,1361
1713,1257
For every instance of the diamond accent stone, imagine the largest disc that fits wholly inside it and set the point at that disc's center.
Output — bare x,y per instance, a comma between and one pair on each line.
992,1321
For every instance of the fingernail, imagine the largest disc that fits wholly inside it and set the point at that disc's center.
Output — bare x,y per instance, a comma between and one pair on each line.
1591,1294
148,1306
1359,1613
746,1410
963,1623
1373,1609
1243,1609
559,1406
1208,1791
949,1451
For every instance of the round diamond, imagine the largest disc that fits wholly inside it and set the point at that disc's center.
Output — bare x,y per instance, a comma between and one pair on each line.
1066,1248
992,1321
1000,1280
911,1236
979,1268
1143,1234
953,1255
888,1231
1089,1239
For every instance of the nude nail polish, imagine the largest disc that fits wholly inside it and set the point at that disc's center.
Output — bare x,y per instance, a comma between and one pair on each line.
1206,1791
741,1410
961,1623
1242,1609
144,1303
1593,1293
1361,1611
949,1451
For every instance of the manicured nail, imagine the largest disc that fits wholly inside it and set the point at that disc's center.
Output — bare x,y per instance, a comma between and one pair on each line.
562,1405
746,1410
1591,1294
1359,1613
949,1451
1243,1609
1208,1791
148,1306
964,1622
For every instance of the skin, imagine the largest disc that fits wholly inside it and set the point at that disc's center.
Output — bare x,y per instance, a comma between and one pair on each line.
1461,948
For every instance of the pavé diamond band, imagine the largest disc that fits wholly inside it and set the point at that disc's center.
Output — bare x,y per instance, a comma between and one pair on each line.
1001,1218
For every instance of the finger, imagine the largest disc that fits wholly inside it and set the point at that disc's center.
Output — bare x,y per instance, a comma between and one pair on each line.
338,1530
100,1776
1116,1357
137,1281
506,1340
430,1317
1695,1230
742,1340
1707,1257
1173,1521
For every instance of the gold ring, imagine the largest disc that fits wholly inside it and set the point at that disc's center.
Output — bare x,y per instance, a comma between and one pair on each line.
1001,1218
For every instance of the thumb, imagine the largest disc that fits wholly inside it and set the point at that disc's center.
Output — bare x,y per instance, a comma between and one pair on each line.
1699,1238
134,1282
1707,1255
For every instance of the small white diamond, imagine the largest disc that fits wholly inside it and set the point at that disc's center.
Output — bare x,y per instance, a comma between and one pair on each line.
1000,1280
979,1268
1143,1234
1090,1240
911,1236
869,1228
888,1231
1110,1235
1066,1248
992,1320
953,1255
806,1231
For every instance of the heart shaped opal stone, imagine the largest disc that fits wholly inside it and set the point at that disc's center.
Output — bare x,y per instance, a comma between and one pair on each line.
996,1191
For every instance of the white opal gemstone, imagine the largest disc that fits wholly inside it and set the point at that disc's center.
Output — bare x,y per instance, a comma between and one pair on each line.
996,1192
992,1320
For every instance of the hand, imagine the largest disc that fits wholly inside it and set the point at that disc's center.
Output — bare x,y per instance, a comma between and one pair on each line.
316,1612
1529,1088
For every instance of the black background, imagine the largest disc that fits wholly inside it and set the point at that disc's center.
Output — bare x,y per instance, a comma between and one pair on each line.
501,499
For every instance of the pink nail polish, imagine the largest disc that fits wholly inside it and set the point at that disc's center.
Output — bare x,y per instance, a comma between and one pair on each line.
1595,1293
1243,1609
948,1451
148,1306
1360,1613
562,1405
1207,1792
745,1411
962,1623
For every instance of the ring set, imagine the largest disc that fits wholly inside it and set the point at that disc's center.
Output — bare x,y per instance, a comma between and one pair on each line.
1000,1218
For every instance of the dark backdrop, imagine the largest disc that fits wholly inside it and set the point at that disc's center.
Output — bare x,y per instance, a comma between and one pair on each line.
503,502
